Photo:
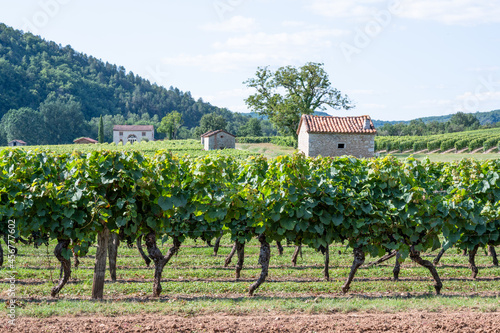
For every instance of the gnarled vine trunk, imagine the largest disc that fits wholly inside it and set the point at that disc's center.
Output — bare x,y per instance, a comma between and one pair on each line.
493,253
397,267
472,261
217,244
298,250
359,259
280,248
264,257
240,250
138,242
1,255
159,260
230,255
65,264
438,257
113,244
415,256
100,264
327,263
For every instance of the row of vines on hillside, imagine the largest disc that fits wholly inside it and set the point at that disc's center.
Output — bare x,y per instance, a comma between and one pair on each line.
373,206
471,140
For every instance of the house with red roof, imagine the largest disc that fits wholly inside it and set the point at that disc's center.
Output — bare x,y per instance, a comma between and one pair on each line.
218,139
85,140
17,143
336,136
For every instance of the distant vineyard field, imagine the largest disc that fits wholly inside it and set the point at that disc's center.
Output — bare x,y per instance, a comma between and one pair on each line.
149,148
478,141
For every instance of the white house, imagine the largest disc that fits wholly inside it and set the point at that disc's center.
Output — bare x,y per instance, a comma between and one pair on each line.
218,139
336,136
133,133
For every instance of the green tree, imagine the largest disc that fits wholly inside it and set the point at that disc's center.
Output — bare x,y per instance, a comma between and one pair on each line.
100,136
63,118
288,93
24,124
251,128
211,122
461,121
170,125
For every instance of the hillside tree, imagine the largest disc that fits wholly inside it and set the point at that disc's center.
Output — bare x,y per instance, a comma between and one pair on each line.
289,92
170,125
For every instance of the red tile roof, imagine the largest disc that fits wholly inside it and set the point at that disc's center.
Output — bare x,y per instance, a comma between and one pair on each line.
18,141
133,128
85,140
210,133
327,124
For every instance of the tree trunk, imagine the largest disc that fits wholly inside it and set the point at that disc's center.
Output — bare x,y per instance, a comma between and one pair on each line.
359,259
493,253
77,262
438,257
298,249
264,257
1,255
65,263
240,249
415,256
327,263
159,260
230,255
141,251
217,244
397,267
280,248
6,240
464,252
472,261
100,264
114,242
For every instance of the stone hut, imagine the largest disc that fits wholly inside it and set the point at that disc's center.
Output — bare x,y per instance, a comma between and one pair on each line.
133,133
336,136
218,139
85,141
16,143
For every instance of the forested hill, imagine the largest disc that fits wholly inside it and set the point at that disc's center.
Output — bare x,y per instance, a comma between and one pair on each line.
485,118
32,68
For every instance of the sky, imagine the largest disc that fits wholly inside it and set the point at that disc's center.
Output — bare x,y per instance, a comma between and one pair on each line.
395,59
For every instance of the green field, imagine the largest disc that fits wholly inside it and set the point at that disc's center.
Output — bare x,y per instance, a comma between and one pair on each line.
196,282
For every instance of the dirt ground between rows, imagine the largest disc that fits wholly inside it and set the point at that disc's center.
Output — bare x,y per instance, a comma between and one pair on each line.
338,322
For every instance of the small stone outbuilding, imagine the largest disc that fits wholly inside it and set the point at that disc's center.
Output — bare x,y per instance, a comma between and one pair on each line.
336,136
218,139
133,133
17,143
85,141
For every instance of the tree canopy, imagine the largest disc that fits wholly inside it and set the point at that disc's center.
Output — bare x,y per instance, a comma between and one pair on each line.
287,93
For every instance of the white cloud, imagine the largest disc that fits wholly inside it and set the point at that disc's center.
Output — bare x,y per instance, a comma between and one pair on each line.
453,12
450,12
308,39
222,61
234,24
345,8
255,49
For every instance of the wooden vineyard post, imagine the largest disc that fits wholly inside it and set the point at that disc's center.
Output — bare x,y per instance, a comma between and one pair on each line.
100,264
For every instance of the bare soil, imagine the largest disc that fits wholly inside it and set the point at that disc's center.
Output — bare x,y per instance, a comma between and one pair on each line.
335,322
